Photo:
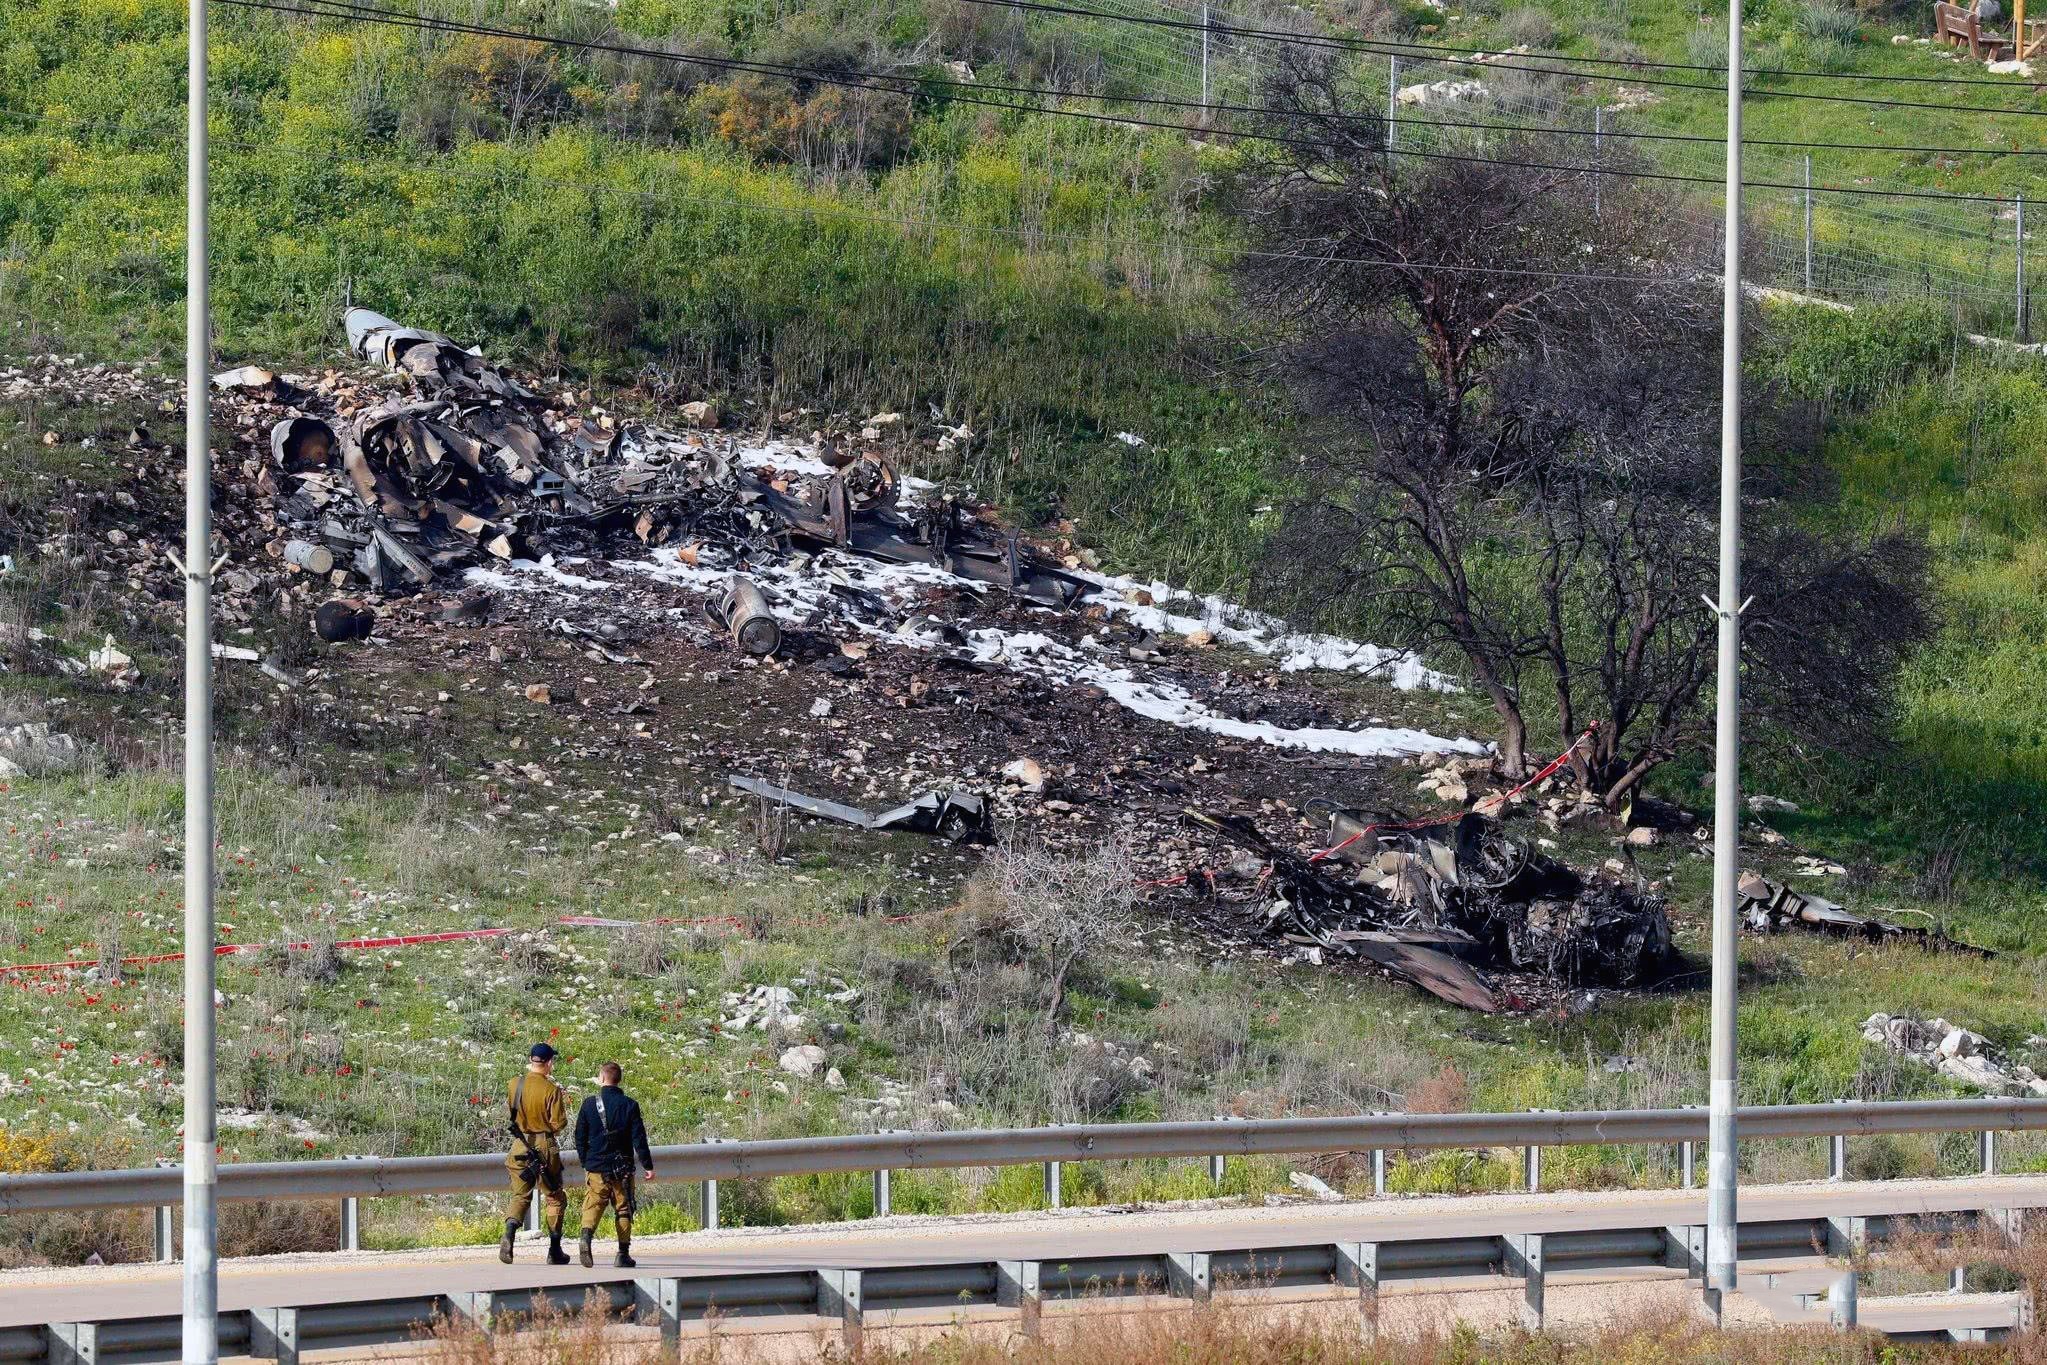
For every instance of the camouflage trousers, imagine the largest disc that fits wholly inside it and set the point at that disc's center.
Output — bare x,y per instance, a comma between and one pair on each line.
539,1164
615,1192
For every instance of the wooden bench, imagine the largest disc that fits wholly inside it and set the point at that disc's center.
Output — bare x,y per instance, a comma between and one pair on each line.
1959,26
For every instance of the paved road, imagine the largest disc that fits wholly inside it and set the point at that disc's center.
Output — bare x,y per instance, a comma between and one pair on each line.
101,1293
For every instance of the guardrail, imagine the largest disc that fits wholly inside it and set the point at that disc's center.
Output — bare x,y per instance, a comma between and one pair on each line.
848,1300
352,1179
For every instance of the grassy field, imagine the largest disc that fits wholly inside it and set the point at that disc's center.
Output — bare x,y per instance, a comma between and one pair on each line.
1072,294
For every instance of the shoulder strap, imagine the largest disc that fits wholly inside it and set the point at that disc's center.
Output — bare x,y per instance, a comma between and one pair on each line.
604,1115
518,1098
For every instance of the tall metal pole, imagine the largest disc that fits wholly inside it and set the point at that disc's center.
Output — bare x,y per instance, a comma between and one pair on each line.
202,1271
1720,1161
1204,61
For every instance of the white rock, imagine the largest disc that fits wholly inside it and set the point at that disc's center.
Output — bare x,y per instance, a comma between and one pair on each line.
1961,1043
803,1060
1761,803
1314,1188
10,771
1642,837
1026,773
820,708
834,1079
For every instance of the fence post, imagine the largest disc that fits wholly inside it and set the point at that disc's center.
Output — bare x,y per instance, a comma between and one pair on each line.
1204,60
1598,127
1392,104
1808,223
2019,250
166,1221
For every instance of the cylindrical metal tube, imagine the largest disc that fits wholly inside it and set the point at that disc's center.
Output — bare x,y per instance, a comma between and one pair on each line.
202,1270
306,555
1721,1158
745,609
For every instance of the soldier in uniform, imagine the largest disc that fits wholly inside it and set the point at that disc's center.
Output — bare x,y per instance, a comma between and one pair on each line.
539,1112
609,1134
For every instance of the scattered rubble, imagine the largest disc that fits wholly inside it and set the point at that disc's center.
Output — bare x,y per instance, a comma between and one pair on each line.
1442,92
1426,908
1956,1052
35,750
1768,907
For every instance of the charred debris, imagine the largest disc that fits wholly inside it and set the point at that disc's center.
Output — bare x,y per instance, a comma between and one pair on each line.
470,466
1462,909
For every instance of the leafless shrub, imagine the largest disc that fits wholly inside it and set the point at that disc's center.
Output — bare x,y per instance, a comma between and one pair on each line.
1446,1092
1528,27
274,1227
640,952
17,653
1054,909
107,945
306,955
1940,880
770,828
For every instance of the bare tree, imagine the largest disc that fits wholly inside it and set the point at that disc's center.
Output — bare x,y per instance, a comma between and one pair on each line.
1509,403
1055,909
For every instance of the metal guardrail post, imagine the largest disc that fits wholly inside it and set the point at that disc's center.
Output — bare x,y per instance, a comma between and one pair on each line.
1378,1170
274,1335
1054,1195
838,1297
1531,1161
1016,1286
1986,1148
166,1224
72,1343
707,1199
1357,1267
1837,1157
1187,1276
1524,1258
533,1211
1958,1279
1218,1164
1688,1160
661,1299
1841,1307
881,1192
351,1216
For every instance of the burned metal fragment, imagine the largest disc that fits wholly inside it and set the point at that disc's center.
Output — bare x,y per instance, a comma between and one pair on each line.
743,611
1432,909
1768,907
956,816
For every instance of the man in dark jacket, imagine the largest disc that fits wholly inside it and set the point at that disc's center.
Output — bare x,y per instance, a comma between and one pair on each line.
609,1134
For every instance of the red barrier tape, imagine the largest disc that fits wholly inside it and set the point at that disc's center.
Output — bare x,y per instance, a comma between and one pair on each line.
231,949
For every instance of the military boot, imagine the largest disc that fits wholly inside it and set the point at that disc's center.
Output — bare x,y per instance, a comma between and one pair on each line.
505,1242
555,1254
624,1260
584,1251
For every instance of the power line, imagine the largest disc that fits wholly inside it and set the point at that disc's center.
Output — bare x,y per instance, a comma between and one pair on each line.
1478,55
413,20
934,224
346,10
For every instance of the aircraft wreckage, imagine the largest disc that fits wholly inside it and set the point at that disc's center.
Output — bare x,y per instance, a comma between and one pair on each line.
473,466
1452,906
